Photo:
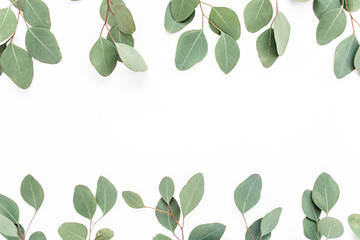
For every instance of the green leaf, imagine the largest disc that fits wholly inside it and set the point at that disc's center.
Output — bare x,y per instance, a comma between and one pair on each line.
42,45
191,194
191,49
131,58
106,195
310,229
257,14
322,6
73,231
270,221
225,19
32,192
165,219
133,199
37,235
281,33
182,9
103,56
104,234
7,227
345,56
8,23
120,37
326,192
266,47
124,19
2,49
357,61
212,231
18,233
161,237
331,228
103,10
354,5
36,13
354,222
247,194
332,24
84,201
173,26
9,209
167,189
18,65
310,209
255,230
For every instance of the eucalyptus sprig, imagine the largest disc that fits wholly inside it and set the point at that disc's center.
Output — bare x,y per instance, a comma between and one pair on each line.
10,226
246,196
273,41
323,197
192,45
119,43
40,43
168,212
85,204
354,222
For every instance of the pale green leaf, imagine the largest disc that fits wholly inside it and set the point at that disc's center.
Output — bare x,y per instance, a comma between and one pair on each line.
32,192
18,233
7,227
270,221
257,14
37,235
36,13
182,9
357,61
247,194
103,56
165,219
281,32
73,231
331,228
310,229
310,209
192,193
266,47
326,192
332,24
354,222
161,237
167,189
84,201
7,23
345,55
9,209
124,19
226,20
173,26
131,58
104,234
106,195
133,199
212,231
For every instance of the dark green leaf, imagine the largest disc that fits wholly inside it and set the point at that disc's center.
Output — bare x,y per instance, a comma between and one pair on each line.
36,13
191,194
227,53
103,57
173,26
332,24
345,55
322,6
309,207
226,20
182,9
257,14
165,219
266,47
84,201
106,195
311,230
256,232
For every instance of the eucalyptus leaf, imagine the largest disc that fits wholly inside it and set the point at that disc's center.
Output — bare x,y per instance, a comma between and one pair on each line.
281,32
36,13
133,199
270,221
84,201
357,61
248,193
212,231
257,14
9,209
104,8
332,24
266,47
120,37
173,26
124,19
353,5
16,4
73,231
8,23
326,192
103,56
354,222
131,58
106,195
191,194
37,235
19,228
345,55
322,6
226,20
7,227
165,219
310,229
182,9
104,234
32,192
310,209
167,189
255,230
161,237
227,53
331,228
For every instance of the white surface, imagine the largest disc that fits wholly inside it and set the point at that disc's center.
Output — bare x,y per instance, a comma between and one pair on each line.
289,123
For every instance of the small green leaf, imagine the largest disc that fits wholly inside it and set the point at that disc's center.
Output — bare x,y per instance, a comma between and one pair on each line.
332,24
161,237
247,194
173,26
104,8
37,235
345,56
354,5
212,231
32,192
311,230
104,234
7,227
84,201
255,230
191,194
103,57
18,233
225,19
331,228
73,231
120,37
165,219
36,13
124,19
322,6
182,9
281,33
310,209
270,221
227,53
266,47
257,14
354,222
8,23
106,195
133,199
357,61
167,189
326,192
9,209
191,49
131,58
42,45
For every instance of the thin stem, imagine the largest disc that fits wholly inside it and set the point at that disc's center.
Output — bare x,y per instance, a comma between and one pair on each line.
29,224
204,16
106,18
201,2
247,228
277,13
181,227
158,210
351,16
175,236
90,229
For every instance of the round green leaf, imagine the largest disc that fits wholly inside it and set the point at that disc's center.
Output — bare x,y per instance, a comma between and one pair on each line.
332,24
266,47
9,209
165,219
270,221
326,192
173,26
103,56
7,227
42,45
345,55
247,194
167,189
212,231
84,201
73,231
37,235
36,13
133,199
192,193
104,234
124,19
106,195
104,8
357,61
281,32
256,232
191,49
7,23
322,6
32,192
354,222
225,19
310,209
257,14
131,58
182,9
331,228
161,237
227,53
311,230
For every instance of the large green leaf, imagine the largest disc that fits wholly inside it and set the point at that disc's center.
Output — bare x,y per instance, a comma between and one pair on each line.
310,209
124,19
37,235
167,189
191,49
106,195
281,32
332,24
257,14
161,237
165,219
322,6
173,26
42,45
270,221
225,19
326,192
9,209
212,231
84,201
36,13
255,230
345,55
357,61
73,231
331,228
131,58
104,8
104,234
192,193
354,222
7,227
248,193
7,23
103,56
310,229
32,192
133,199
227,53
266,47
182,9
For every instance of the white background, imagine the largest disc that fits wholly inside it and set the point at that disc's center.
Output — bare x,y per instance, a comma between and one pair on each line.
289,123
